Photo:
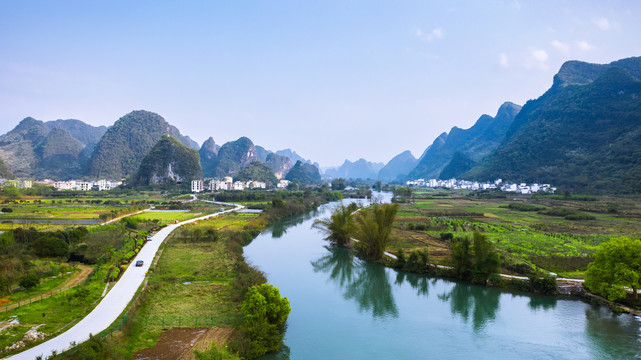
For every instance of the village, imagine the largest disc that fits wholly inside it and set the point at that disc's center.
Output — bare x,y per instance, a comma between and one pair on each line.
498,184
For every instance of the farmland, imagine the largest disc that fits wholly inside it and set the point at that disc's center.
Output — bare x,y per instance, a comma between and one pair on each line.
552,233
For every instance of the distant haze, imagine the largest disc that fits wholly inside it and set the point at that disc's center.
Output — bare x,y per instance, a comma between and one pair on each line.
332,80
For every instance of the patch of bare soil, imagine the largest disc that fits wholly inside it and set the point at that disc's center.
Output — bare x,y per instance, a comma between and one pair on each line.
179,343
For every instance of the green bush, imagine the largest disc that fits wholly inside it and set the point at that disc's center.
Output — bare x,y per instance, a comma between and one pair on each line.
544,283
28,281
525,207
579,216
264,315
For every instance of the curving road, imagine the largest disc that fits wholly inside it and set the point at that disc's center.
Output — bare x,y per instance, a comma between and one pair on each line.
114,303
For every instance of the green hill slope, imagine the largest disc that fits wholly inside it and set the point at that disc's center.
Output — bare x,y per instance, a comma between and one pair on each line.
169,162
122,148
583,135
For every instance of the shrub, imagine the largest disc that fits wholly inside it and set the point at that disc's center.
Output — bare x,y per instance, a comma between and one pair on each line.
579,216
28,281
264,315
7,210
545,283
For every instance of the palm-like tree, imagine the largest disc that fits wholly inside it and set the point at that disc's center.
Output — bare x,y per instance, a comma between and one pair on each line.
373,229
338,227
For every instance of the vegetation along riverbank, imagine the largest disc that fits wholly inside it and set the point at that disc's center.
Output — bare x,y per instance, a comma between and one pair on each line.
196,288
532,240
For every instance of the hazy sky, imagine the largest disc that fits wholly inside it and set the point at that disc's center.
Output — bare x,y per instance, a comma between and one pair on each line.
333,80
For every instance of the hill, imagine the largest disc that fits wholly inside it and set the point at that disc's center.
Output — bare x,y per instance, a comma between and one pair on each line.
474,143
279,164
458,166
398,167
208,153
306,174
122,148
54,149
233,156
167,163
257,171
581,135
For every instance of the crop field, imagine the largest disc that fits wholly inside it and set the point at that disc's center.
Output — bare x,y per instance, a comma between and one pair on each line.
230,221
551,233
169,217
59,211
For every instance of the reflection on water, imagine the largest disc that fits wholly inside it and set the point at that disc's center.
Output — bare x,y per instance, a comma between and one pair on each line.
327,284
475,302
280,227
542,302
339,263
613,336
420,283
364,282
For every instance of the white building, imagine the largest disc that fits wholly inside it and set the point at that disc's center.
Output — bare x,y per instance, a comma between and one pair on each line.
196,186
283,184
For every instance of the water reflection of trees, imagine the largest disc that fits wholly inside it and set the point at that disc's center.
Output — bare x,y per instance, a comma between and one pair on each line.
612,336
480,304
364,282
418,282
542,302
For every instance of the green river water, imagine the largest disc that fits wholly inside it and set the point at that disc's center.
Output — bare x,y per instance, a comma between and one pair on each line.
345,308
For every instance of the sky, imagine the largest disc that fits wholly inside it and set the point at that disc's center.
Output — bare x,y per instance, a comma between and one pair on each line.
332,80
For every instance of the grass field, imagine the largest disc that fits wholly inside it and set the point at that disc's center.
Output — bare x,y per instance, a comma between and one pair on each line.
189,286
534,238
169,217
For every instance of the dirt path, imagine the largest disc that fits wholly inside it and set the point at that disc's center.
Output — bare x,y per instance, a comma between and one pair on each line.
180,343
123,216
75,280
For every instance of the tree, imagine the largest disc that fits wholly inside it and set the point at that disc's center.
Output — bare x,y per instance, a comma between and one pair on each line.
487,261
616,268
338,227
339,184
264,317
474,259
461,257
373,229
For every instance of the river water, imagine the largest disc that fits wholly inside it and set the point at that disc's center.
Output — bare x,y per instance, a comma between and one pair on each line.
344,308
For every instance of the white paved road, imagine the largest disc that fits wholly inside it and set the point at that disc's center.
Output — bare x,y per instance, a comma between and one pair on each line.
114,303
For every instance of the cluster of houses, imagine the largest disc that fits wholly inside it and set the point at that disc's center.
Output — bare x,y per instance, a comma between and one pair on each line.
22,184
228,183
498,184
79,185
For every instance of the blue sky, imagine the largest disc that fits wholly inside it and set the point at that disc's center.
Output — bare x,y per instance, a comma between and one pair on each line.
333,80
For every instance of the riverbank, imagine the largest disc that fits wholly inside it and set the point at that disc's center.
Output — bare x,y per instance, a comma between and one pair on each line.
405,315
204,263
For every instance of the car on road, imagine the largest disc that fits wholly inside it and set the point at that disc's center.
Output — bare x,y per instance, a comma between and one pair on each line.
139,263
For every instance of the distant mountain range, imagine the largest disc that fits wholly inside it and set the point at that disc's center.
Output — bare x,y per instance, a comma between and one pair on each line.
583,134
360,169
53,149
474,143
138,147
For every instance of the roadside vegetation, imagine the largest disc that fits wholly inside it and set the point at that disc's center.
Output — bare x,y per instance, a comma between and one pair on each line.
198,283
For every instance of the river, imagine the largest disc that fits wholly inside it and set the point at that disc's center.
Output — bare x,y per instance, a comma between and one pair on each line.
345,308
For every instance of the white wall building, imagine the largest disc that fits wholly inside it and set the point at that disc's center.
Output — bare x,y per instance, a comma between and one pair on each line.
196,186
